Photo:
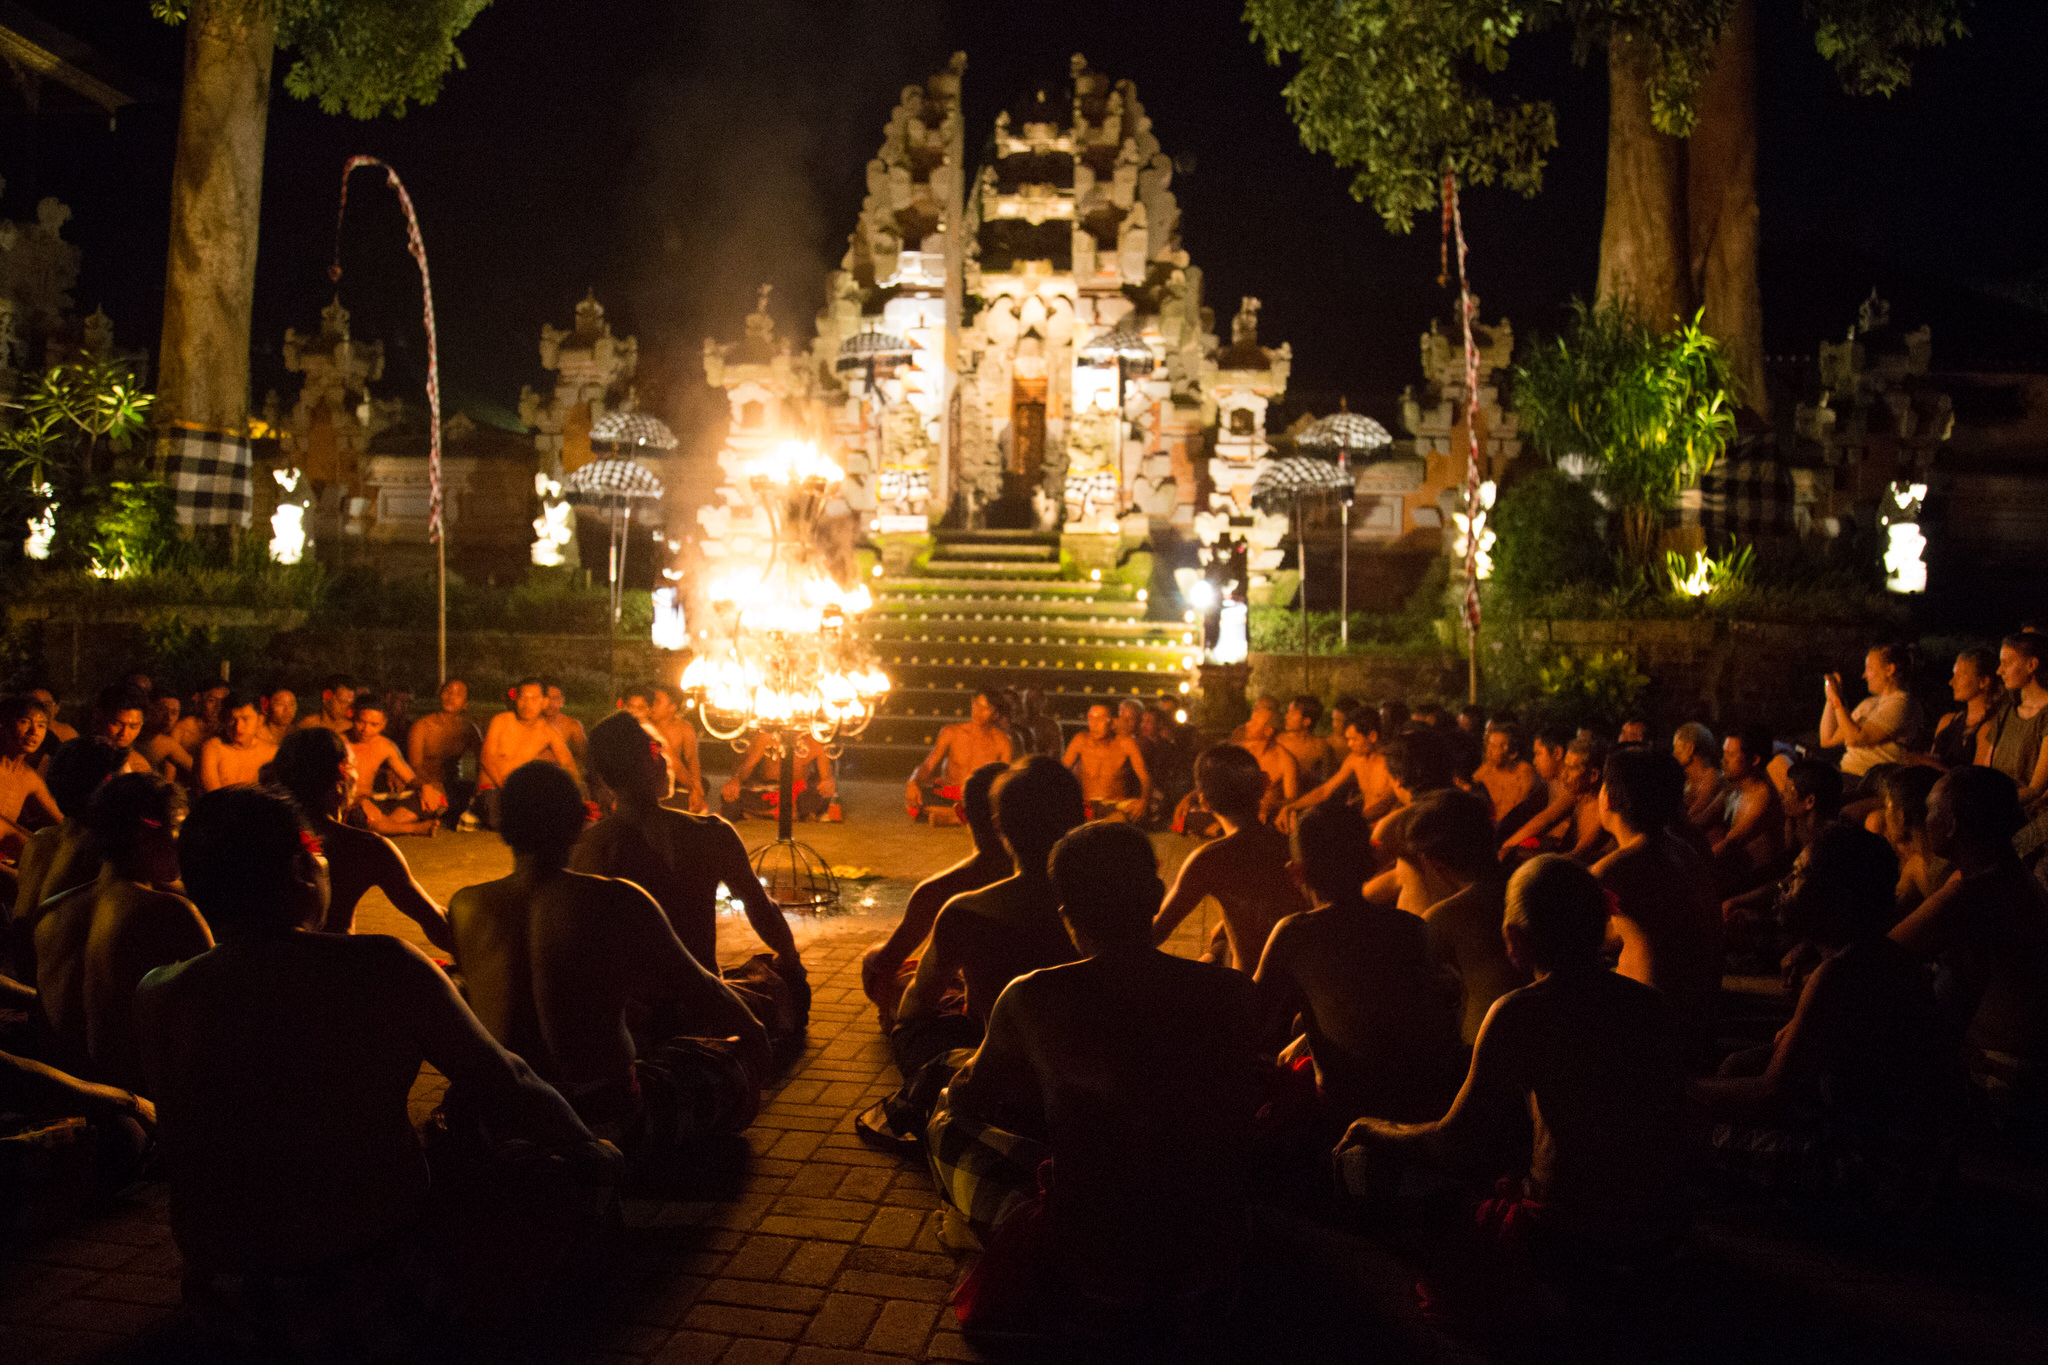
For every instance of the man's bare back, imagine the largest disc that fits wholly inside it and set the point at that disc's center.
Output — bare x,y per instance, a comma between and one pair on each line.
985,939
1246,872
1669,921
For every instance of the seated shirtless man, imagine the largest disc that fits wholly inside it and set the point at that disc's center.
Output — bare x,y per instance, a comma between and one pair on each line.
1449,839
281,1062
1315,757
1133,1071
1381,1020
515,737
1581,1070
20,787
882,967
1363,772
1506,773
961,748
1665,911
167,758
95,944
1283,775
678,858
117,717
373,753
681,737
570,728
337,702
1245,870
436,746
315,769
280,713
1099,758
755,787
552,959
980,941
234,756
58,857
202,721
1569,822
1749,848
1694,748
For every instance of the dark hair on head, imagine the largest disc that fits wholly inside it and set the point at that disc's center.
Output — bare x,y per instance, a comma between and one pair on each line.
1904,787
1645,787
272,688
129,808
235,701
1818,782
1107,877
1365,720
1755,740
1590,747
1333,845
1848,888
531,681
1311,707
1394,714
1984,802
548,684
244,852
77,770
1556,735
1560,910
1984,661
1455,828
1348,704
369,701
1903,655
118,697
644,691
12,709
1035,803
307,768
1518,738
618,747
976,807
1001,704
540,811
1420,761
1231,781
2028,642
338,682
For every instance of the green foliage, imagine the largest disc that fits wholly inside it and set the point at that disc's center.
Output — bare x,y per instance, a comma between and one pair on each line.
1597,689
75,419
1136,569
135,526
1402,89
1277,630
1703,576
1548,536
367,57
1651,410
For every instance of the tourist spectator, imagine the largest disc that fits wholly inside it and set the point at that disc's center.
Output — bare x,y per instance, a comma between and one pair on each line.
20,787
1664,909
1885,725
961,748
1245,870
1706,791
1507,775
96,943
1812,797
755,787
1905,790
436,749
167,758
1973,682
1380,1018
680,859
1987,929
237,751
680,736
1586,1064
281,1062
201,721
882,967
2011,739
552,960
1314,757
1101,757
1860,1096
381,806
1363,774
280,712
1450,840
1132,1070
1750,845
337,705
516,737
314,768
565,725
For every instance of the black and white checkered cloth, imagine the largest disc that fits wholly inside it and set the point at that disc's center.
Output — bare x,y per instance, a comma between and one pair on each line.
1747,492
209,476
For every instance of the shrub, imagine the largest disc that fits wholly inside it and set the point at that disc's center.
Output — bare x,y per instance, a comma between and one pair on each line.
1548,532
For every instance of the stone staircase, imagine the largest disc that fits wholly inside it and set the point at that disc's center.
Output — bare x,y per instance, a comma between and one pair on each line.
993,609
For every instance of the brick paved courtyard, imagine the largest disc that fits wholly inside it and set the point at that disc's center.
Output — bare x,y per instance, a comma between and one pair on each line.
814,1250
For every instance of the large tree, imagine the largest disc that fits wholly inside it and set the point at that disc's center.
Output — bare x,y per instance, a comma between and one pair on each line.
1402,89
365,57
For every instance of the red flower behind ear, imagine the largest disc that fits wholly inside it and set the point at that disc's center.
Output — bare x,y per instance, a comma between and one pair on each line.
310,842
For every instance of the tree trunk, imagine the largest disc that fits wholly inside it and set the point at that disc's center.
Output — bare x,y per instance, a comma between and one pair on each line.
1643,258
216,202
1721,206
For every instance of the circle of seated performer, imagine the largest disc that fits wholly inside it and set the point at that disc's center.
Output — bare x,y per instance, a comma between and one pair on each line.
166,757
281,1061
566,725
20,785
1861,1096
1586,1066
315,768
200,722
233,756
1314,757
1133,1071
1380,1019
883,967
1246,870
61,856
337,699
280,713
552,959
1363,771
436,747
407,808
514,737
961,748
96,943
1449,839
1694,747
755,787
1506,773
1100,757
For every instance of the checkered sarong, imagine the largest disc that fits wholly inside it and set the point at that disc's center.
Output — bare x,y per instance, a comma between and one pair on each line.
1745,496
208,475
987,1174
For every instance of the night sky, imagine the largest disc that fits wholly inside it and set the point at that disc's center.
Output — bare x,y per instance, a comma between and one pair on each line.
676,156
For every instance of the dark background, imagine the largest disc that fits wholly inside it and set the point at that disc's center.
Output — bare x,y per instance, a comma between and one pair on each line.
675,156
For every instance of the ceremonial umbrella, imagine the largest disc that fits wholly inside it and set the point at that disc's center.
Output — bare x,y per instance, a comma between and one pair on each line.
615,485
1344,431
1123,346
634,429
1285,482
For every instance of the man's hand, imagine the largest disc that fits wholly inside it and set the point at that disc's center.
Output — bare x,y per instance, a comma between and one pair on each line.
730,791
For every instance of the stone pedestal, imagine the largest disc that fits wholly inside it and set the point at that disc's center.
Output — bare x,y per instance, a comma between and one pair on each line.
899,548
1092,550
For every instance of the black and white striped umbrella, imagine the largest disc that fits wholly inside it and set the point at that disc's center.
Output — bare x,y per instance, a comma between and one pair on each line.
1123,342
1352,431
863,349
633,429
1282,480
611,482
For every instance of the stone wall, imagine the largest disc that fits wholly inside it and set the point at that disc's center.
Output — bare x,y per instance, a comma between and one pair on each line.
487,660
